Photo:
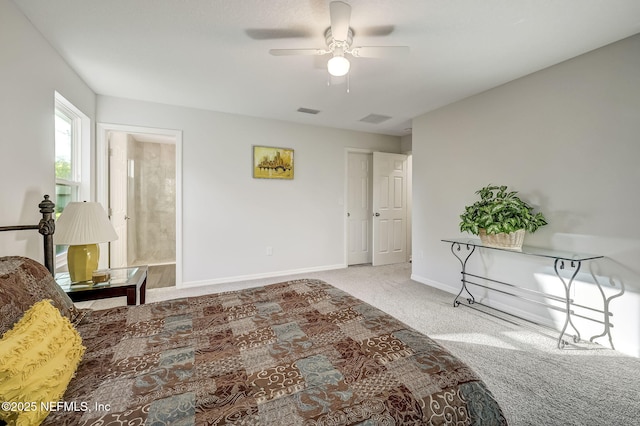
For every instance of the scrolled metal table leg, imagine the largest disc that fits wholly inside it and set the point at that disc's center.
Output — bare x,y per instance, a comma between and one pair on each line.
463,262
606,311
559,264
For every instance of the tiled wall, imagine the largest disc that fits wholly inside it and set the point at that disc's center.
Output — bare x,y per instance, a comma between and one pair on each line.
153,198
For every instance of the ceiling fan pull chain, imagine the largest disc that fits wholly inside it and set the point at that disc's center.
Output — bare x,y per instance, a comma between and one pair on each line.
348,80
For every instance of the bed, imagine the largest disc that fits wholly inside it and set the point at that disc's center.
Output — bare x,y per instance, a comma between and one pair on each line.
298,352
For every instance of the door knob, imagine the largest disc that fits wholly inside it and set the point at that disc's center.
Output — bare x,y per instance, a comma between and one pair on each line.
376,214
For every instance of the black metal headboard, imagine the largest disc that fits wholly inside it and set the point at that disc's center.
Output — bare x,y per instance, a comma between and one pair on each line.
46,227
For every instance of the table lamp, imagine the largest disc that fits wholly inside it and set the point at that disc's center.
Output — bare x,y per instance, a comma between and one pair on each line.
82,225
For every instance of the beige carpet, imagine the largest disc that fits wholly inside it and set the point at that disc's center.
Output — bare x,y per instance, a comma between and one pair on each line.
534,382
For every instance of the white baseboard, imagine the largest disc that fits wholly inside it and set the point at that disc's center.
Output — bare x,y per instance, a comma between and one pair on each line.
431,283
250,277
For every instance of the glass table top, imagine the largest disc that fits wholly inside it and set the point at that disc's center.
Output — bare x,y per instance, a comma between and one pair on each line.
119,277
529,250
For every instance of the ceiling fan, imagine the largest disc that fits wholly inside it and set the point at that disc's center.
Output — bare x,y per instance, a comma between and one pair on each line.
339,39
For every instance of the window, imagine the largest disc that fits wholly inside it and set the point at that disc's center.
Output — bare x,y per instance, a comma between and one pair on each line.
71,157
67,155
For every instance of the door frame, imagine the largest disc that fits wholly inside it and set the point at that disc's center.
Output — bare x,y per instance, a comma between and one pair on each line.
102,173
345,201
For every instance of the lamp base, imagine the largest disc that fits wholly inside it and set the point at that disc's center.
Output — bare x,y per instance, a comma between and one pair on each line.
82,261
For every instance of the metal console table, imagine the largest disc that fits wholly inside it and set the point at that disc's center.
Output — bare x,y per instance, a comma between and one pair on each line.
561,260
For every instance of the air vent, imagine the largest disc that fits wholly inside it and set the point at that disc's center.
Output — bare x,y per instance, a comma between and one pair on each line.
375,118
308,111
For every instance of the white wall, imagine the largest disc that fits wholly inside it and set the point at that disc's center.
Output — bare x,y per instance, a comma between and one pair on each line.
30,72
574,128
229,218
566,138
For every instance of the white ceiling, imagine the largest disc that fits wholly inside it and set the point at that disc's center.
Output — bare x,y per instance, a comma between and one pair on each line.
213,54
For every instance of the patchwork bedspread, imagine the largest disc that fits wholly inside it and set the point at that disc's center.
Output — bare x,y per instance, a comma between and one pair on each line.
295,353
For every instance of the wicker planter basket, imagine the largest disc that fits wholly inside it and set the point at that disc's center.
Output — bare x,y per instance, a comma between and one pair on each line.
512,241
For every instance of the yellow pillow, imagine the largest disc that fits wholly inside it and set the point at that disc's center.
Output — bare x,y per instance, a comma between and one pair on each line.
38,358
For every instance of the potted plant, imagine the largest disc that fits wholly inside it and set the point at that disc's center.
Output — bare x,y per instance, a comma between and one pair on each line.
500,218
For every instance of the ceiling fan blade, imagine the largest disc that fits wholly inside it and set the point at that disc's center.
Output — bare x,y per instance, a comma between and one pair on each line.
297,52
277,33
376,31
340,14
379,51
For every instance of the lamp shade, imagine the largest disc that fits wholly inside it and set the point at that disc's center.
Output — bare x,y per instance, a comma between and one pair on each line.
338,66
84,223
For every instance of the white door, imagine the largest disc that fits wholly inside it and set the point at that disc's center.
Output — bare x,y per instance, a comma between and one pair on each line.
118,197
359,206
389,208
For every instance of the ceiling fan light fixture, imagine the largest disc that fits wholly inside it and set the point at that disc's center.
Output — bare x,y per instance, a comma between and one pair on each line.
338,66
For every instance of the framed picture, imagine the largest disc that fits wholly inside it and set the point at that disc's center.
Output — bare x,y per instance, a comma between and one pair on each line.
272,163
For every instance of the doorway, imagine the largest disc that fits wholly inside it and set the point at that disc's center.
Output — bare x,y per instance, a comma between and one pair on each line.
142,192
378,208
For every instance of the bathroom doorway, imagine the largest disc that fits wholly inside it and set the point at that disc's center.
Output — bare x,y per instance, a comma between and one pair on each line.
142,199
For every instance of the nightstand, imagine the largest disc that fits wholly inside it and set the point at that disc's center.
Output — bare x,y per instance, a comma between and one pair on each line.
128,282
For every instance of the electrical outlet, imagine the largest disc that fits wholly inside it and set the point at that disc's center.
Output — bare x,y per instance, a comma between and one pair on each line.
269,251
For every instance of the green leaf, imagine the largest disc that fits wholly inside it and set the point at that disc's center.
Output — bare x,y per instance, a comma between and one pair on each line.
492,229
496,208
